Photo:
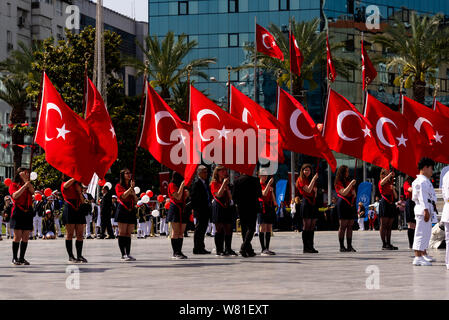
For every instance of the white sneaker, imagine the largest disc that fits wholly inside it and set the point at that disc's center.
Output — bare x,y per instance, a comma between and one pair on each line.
429,258
420,261
447,266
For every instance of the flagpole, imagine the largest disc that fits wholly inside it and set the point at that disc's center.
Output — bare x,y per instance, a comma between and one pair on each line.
256,96
140,118
229,68
435,97
329,173
292,154
86,57
364,89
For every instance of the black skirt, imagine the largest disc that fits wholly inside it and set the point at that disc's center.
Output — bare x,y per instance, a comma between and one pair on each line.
72,216
345,211
123,215
386,210
308,210
221,214
21,220
410,211
176,214
267,217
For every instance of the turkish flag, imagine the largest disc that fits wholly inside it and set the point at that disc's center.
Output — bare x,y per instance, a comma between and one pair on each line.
296,57
167,137
248,111
398,139
432,126
369,73
101,129
331,72
308,139
441,109
164,180
221,137
266,43
64,136
347,131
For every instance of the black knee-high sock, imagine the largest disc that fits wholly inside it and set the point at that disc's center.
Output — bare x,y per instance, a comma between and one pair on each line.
121,245
228,242
128,245
69,248
79,248
349,240
181,241
267,240
311,238
411,236
174,246
218,242
23,249
262,240
15,249
342,242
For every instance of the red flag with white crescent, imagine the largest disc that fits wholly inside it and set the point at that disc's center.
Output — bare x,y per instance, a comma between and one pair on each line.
296,57
331,72
64,136
441,109
369,73
266,43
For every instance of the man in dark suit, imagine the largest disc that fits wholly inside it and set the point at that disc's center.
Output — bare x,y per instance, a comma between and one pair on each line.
201,199
246,194
105,213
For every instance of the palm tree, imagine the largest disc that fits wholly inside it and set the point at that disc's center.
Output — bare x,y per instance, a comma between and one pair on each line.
313,47
416,51
166,61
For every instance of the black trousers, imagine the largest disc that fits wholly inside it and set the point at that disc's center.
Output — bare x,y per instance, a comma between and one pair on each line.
248,226
106,225
202,222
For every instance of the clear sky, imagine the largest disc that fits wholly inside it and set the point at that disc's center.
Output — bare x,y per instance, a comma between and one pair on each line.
126,7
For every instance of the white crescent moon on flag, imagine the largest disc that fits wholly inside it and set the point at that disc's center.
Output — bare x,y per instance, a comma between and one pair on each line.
165,184
419,122
296,44
245,115
157,117
263,41
340,119
379,132
52,106
294,125
201,114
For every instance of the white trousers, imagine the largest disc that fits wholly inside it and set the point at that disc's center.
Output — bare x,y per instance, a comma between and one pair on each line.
164,226
148,225
37,226
140,229
362,224
211,229
446,229
423,232
257,227
57,226
88,222
9,232
98,222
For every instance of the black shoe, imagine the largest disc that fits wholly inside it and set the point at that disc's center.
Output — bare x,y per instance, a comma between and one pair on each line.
313,250
391,247
351,249
343,249
24,262
251,254
73,260
61,236
209,234
16,262
231,253
81,259
182,256
220,254
244,254
307,250
89,237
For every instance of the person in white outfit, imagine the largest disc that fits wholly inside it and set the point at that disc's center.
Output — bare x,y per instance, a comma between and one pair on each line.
38,210
445,216
89,197
424,197
6,215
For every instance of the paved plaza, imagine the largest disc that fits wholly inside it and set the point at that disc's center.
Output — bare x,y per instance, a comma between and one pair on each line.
290,275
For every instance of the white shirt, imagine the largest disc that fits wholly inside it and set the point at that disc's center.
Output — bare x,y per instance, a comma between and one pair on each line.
423,192
445,189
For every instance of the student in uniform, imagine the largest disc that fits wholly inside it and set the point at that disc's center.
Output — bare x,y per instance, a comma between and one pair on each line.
306,184
445,216
114,223
73,217
409,210
21,191
140,220
424,197
38,210
267,216
387,209
125,215
48,226
164,226
345,207
222,214
177,214
6,214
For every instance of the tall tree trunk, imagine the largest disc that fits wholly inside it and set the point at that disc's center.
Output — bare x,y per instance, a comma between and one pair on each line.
17,137
419,91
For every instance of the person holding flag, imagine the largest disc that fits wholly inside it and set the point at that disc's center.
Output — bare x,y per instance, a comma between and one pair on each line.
267,217
387,209
125,215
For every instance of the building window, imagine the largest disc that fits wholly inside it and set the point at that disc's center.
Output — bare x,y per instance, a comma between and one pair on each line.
59,33
284,5
233,6
10,46
351,77
350,6
349,46
390,13
8,12
233,40
405,15
183,7
391,78
59,7
49,1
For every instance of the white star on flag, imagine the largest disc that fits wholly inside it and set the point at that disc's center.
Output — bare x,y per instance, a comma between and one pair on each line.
402,141
367,131
113,131
224,133
62,132
438,137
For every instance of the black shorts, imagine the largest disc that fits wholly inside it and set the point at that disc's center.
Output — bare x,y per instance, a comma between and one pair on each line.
410,211
345,211
72,216
267,217
386,210
176,214
125,216
221,214
308,210
21,220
